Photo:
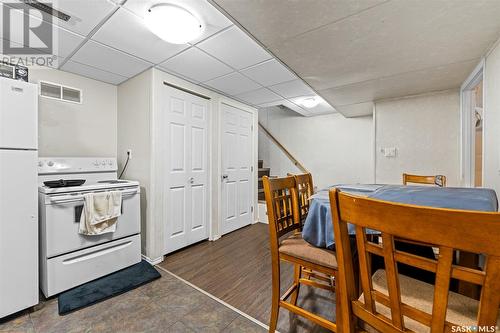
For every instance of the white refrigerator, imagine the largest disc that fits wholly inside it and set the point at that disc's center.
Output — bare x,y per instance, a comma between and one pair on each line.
18,196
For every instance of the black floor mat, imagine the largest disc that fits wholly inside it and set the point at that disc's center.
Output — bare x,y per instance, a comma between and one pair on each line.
106,287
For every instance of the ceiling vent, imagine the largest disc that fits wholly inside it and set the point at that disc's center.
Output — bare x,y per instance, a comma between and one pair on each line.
47,8
59,92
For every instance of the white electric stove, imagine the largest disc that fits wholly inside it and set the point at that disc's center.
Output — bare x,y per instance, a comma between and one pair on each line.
67,258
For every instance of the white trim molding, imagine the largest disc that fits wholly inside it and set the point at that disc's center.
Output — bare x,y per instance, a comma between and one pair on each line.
466,138
153,262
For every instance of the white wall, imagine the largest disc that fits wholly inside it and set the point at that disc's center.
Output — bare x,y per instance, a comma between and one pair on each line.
134,98
491,111
69,129
425,131
333,148
140,129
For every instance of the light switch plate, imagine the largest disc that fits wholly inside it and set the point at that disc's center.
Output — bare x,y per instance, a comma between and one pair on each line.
389,151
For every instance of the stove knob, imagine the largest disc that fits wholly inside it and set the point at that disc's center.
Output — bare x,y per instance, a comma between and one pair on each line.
50,163
103,163
96,163
40,163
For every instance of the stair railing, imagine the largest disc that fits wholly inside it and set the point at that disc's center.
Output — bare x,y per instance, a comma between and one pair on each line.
284,150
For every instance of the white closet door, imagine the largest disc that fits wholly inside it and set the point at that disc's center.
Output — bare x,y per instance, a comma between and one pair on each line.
237,156
186,168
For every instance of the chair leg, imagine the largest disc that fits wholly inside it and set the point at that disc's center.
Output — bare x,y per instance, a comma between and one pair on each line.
275,301
296,278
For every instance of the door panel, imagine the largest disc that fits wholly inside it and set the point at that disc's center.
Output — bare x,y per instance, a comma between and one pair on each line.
177,211
197,155
177,157
237,155
198,218
186,179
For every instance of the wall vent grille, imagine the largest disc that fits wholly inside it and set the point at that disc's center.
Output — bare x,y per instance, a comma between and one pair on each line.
60,92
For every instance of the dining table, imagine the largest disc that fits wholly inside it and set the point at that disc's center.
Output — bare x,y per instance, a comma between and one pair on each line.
318,227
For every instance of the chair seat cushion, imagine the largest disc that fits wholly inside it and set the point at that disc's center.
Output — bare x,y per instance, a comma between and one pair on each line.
297,247
461,311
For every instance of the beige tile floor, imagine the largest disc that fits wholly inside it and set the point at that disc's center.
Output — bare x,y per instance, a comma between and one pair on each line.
165,305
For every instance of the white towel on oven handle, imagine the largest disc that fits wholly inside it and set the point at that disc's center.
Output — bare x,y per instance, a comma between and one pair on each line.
100,212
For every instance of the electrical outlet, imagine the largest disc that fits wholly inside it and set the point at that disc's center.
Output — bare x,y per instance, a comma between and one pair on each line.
129,153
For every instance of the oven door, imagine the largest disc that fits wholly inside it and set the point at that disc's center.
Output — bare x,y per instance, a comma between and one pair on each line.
60,220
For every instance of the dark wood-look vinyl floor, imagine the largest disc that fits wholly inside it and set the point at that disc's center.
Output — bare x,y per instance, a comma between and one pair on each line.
237,269
166,305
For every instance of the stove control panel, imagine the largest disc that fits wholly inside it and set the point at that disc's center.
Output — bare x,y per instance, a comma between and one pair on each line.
51,165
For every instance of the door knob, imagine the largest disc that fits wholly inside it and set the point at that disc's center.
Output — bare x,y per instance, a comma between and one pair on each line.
225,177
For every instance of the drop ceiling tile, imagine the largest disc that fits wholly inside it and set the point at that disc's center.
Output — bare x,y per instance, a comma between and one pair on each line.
269,73
108,59
85,15
212,19
322,107
356,110
292,89
196,65
127,32
235,48
432,79
93,73
274,21
232,84
389,39
259,96
66,42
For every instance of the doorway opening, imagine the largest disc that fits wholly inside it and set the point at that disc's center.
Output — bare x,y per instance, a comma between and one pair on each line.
472,118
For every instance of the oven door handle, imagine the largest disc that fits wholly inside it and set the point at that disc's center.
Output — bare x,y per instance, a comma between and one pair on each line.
75,198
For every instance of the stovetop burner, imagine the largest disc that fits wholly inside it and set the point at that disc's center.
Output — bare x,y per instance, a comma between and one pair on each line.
64,183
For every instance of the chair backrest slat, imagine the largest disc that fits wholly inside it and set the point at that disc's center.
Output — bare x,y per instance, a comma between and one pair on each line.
490,292
449,230
443,275
438,180
282,206
365,269
391,271
305,189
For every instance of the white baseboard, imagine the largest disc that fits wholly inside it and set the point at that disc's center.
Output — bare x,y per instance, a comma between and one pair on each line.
214,238
153,261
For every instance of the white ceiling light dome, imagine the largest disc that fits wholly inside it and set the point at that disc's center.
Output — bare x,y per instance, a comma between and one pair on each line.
173,24
310,102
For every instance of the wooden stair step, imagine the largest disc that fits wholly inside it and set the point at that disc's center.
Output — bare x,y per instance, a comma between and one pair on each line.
264,172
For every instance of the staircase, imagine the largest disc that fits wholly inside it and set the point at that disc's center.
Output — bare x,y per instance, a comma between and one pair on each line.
262,172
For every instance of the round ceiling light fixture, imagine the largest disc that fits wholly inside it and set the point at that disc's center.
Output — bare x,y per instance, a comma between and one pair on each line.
310,102
173,24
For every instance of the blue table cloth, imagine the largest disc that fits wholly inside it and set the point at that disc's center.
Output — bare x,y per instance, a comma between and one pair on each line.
318,228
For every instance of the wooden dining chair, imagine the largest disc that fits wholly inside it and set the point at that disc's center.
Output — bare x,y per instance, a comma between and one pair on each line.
305,189
438,180
286,244
392,302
